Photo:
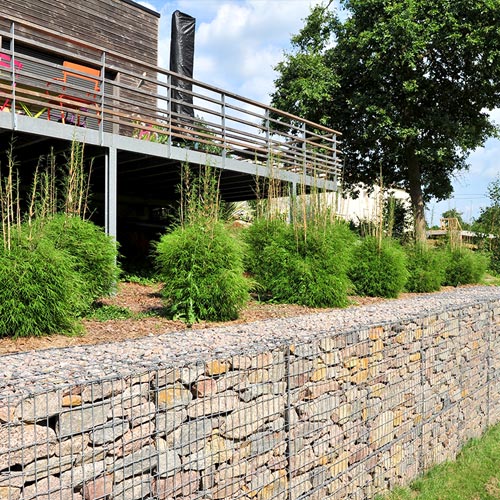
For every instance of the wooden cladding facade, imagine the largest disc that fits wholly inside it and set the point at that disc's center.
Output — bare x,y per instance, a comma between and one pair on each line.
120,26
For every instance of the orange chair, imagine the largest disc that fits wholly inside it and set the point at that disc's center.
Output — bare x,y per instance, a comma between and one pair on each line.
77,98
5,62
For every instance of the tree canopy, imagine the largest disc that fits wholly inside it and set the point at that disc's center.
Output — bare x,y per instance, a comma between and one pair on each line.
408,83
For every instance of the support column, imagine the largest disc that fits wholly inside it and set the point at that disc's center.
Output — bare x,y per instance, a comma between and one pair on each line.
110,192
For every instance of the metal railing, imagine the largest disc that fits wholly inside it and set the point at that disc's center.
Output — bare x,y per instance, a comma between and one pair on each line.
134,99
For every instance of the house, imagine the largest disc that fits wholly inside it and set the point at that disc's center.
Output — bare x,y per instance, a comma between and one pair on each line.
86,70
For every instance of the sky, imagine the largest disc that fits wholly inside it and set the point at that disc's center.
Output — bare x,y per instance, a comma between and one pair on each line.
239,42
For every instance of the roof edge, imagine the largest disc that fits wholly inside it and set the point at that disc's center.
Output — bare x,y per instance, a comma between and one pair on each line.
142,7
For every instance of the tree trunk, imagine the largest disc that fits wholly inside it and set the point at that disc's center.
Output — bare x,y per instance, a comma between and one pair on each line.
416,197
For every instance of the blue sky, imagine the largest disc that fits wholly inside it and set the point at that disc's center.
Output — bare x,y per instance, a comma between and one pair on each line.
237,44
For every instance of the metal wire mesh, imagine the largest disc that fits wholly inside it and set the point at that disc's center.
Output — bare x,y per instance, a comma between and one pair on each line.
342,416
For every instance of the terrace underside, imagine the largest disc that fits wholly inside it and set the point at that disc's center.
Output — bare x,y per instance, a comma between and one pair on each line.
140,124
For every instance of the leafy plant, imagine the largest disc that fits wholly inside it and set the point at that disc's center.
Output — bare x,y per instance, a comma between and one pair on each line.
378,268
465,267
202,268
95,253
301,264
40,290
426,267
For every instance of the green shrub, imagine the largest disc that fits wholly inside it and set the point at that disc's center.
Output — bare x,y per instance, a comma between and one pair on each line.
426,268
95,252
40,291
202,268
378,270
299,264
465,267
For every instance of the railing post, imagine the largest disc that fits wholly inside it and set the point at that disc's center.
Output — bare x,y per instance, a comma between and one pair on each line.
223,123
13,71
103,93
169,113
268,138
304,150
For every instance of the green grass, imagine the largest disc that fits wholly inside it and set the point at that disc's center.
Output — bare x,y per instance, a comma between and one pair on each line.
475,475
491,280
110,312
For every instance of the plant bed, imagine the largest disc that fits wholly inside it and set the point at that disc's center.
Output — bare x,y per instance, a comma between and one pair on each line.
144,304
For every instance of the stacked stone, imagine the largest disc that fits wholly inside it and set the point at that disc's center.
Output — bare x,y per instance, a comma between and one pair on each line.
343,415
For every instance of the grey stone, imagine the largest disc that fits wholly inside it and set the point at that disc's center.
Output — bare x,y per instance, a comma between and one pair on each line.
78,475
169,462
78,420
169,421
251,416
138,462
133,489
213,405
109,432
190,437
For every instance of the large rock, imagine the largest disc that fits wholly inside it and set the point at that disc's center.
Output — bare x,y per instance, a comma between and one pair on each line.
169,421
21,444
190,437
133,489
98,488
41,406
219,403
216,451
78,475
47,489
182,483
78,420
251,416
109,432
169,462
135,464
173,396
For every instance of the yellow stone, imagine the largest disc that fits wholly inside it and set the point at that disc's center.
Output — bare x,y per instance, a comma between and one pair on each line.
417,419
174,396
416,356
319,374
401,338
363,363
465,393
351,362
258,376
398,417
340,465
376,390
360,377
418,333
377,346
72,400
273,490
216,367
376,332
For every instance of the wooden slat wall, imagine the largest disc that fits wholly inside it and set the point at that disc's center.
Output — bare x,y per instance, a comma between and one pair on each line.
112,24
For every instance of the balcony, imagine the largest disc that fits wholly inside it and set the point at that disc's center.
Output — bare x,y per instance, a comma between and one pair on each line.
144,121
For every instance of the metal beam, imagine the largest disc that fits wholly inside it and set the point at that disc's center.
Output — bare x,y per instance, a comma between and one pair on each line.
110,192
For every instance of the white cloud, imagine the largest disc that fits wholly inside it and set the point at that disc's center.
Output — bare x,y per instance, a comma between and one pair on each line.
237,42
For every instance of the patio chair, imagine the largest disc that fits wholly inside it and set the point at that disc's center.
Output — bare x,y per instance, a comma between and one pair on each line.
79,99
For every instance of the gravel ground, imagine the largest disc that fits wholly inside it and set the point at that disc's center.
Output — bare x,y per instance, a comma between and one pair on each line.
46,369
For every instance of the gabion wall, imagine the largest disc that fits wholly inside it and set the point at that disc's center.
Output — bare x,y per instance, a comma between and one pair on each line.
344,416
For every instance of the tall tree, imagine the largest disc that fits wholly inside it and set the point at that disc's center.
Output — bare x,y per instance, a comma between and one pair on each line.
407,82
